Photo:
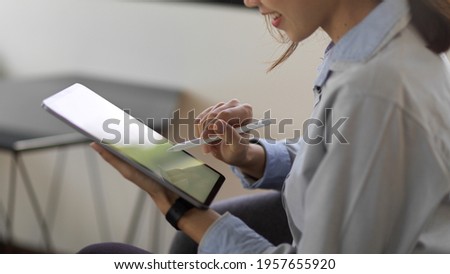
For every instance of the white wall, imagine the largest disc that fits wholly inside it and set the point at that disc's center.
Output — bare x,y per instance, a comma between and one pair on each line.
213,53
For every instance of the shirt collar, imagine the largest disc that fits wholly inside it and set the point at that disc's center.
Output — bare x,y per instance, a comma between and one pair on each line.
362,42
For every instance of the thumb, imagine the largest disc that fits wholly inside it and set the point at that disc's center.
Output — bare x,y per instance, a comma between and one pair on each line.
228,134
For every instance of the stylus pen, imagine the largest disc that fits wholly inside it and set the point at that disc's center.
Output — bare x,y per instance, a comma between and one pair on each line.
199,141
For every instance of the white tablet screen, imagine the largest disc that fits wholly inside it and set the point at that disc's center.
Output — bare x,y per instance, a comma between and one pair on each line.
104,122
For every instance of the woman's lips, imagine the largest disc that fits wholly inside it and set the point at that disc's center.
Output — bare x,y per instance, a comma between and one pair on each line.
276,20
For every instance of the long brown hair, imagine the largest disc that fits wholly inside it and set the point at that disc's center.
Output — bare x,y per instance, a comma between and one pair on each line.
282,38
431,18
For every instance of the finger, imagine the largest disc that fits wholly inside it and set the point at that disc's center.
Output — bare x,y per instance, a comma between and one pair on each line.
209,133
207,111
227,134
204,113
218,110
236,116
197,120
230,137
232,112
207,117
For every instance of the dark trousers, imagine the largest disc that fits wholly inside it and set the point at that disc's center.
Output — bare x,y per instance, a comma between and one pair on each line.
263,212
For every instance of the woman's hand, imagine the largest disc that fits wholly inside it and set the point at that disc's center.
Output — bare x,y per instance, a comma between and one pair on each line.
163,198
233,148
219,120
194,223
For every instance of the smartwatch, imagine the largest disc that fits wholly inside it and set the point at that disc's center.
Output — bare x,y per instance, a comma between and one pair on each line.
177,210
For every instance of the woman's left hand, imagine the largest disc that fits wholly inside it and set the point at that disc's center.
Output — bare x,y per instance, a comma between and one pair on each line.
162,197
194,223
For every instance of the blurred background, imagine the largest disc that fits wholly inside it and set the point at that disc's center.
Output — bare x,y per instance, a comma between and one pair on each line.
207,52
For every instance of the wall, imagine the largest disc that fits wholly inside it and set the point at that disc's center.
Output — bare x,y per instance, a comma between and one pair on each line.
212,53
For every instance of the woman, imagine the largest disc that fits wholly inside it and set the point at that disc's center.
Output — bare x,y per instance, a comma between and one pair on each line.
381,184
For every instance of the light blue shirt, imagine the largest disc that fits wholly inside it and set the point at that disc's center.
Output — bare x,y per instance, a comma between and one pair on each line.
387,190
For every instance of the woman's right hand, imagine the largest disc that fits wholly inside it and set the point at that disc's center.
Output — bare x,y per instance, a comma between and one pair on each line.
234,148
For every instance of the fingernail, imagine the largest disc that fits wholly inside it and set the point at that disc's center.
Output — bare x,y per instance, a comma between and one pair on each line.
219,127
212,127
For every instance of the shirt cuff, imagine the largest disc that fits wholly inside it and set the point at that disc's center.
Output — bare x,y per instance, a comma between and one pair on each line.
230,235
278,165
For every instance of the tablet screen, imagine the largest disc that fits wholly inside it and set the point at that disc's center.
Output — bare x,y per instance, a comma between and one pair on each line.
117,130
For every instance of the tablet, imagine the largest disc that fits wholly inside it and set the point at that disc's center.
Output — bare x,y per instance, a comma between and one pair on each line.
136,143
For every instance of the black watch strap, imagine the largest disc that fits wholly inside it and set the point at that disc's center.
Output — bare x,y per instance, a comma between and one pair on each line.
177,210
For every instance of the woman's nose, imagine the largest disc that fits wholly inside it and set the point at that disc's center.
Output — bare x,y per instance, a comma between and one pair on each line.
252,3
